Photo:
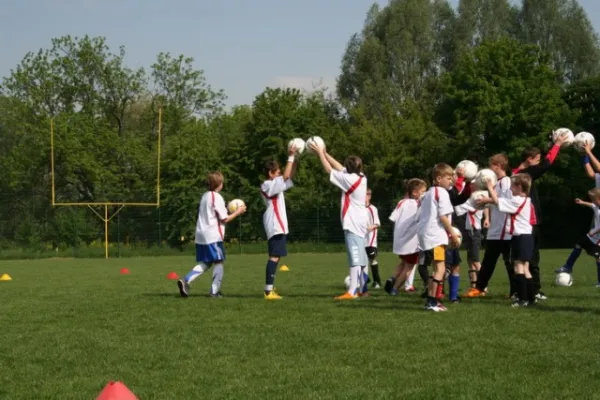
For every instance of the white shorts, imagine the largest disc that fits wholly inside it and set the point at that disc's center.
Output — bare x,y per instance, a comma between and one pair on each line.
355,246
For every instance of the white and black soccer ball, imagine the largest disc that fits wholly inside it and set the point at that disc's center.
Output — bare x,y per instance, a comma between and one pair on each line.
470,169
316,140
482,177
563,279
582,139
563,132
299,143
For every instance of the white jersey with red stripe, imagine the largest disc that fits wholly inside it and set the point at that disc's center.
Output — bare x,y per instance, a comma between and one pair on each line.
405,218
211,213
498,219
521,215
354,196
474,216
435,204
275,216
594,234
373,219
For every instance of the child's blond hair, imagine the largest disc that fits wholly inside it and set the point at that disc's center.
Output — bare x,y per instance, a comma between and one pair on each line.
441,170
523,181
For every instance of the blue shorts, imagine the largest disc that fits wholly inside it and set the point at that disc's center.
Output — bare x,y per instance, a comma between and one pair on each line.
521,248
278,246
452,257
210,253
355,246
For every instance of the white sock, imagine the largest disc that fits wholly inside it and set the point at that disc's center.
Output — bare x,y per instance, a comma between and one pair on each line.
411,278
217,278
354,279
195,272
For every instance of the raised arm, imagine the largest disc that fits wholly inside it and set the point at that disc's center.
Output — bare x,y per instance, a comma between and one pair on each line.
323,157
334,163
290,166
584,203
588,159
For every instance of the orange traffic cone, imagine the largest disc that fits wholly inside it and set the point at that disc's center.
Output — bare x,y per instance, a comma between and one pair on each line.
172,276
124,271
116,391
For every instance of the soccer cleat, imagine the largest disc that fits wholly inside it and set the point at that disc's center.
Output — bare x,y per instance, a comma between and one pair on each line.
519,304
272,296
346,296
474,292
435,307
393,292
456,300
365,294
410,289
376,286
184,287
564,268
541,296
217,295
389,285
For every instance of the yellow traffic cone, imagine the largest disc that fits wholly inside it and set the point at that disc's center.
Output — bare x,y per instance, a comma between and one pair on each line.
5,277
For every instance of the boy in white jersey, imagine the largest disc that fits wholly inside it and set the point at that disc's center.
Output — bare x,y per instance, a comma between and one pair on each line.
275,216
210,231
592,171
472,236
521,218
434,230
406,242
353,183
498,238
371,249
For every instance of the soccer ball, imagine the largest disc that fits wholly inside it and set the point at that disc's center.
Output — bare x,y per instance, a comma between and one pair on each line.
314,139
583,138
563,279
479,194
563,131
299,143
457,231
470,169
482,177
347,282
234,205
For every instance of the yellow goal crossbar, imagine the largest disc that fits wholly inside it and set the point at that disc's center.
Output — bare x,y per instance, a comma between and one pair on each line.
106,204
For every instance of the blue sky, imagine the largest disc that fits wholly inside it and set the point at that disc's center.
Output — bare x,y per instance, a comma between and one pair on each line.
242,45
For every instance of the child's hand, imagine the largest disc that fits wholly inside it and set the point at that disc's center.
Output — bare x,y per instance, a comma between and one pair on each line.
578,201
316,148
454,240
488,183
241,209
292,150
561,139
482,201
588,148
486,224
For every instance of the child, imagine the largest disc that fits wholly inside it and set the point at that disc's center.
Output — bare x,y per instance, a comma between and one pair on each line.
590,242
353,183
434,230
275,216
591,172
498,238
471,236
371,249
406,242
210,231
522,217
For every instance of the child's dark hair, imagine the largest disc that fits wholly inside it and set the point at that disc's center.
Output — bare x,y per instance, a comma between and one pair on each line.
410,185
523,181
271,166
214,179
500,160
353,165
529,153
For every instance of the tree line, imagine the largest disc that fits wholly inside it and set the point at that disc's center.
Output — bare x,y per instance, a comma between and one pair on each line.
420,83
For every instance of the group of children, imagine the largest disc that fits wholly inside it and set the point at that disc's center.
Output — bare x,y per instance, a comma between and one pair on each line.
424,234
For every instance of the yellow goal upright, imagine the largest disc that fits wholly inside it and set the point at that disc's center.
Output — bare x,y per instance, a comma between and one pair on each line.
104,205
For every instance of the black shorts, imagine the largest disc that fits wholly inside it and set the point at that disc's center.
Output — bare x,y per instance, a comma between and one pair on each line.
452,257
371,252
472,242
521,248
590,247
278,246
426,258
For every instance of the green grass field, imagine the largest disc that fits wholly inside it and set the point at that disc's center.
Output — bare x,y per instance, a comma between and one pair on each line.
68,326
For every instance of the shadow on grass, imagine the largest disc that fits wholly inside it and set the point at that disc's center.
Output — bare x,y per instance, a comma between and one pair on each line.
572,309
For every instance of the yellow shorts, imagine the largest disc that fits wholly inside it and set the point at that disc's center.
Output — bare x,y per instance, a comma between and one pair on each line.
439,253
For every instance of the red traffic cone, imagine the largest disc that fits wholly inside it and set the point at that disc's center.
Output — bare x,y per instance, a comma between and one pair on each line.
124,271
116,391
172,276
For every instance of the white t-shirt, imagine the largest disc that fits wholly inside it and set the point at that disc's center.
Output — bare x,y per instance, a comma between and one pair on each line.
474,216
373,219
354,196
435,204
275,216
498,219
211,213
521,215
594,234
405,218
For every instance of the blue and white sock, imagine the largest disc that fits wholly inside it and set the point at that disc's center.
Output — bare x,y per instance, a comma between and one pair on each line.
217,278
196,272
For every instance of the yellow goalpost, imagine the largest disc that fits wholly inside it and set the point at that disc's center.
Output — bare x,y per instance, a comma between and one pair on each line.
105,216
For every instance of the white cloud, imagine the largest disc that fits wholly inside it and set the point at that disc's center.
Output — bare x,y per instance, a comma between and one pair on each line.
306,84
